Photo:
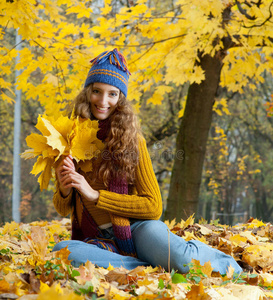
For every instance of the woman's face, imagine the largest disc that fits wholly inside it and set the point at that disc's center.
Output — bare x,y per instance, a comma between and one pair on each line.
104,99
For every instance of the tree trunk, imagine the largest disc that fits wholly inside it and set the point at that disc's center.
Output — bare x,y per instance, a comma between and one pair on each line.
191,142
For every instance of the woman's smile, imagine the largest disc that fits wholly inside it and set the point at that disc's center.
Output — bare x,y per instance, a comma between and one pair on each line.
102,108
104,99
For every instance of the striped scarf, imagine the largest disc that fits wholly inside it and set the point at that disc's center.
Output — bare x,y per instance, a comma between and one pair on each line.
87,230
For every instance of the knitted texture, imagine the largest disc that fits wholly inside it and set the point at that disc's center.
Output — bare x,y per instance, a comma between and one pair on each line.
122,231
109,67
88,231
121,225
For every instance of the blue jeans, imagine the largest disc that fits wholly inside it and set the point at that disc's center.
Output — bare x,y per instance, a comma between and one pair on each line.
152,241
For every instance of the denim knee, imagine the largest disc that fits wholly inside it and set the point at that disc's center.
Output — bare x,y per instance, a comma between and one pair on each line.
148,227
60,245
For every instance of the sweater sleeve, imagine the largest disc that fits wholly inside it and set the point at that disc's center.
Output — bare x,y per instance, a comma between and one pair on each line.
147,203
62,204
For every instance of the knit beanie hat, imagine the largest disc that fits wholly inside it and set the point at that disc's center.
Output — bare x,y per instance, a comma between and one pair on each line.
109,67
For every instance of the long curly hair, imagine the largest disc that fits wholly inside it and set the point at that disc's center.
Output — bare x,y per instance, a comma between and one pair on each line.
121,146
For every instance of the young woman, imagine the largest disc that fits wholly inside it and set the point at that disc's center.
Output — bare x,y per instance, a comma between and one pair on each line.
115,208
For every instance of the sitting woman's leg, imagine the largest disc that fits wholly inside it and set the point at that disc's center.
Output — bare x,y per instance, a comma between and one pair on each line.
153,240
81,252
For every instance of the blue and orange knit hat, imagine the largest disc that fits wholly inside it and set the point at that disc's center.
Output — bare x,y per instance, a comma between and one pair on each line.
109,67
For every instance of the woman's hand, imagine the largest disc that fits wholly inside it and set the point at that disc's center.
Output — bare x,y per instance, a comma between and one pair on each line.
69,178
61,170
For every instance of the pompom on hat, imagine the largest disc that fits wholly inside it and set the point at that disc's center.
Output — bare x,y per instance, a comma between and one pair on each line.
109,67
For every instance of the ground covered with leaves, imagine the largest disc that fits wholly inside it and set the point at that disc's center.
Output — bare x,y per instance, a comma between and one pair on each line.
29,270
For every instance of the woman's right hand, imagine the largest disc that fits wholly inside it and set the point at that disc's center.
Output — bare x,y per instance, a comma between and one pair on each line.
62,169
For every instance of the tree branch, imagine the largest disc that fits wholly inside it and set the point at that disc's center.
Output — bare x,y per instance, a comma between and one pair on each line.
254,18
161,172
167,129
57,65
144,44
243,11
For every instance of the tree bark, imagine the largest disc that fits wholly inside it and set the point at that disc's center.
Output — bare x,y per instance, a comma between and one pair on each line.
191,142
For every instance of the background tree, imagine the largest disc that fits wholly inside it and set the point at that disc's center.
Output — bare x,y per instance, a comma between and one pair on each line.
171,46
237,178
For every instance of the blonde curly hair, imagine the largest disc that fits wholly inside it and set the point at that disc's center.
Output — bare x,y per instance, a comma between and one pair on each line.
121,145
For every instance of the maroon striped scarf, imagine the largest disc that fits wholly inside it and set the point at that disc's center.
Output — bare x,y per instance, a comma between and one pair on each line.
87,230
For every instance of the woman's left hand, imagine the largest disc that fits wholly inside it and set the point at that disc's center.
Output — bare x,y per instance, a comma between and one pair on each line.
79,182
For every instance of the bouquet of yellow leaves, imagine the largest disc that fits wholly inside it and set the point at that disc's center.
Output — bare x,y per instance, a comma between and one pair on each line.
63,136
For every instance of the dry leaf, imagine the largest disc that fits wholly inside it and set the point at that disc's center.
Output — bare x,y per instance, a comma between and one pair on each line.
245,292
259,255
185,224
63,255
26,250
197,293
4,286
119,275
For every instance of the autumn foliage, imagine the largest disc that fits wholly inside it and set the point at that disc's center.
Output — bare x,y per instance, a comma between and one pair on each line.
28,267
165,43
63,136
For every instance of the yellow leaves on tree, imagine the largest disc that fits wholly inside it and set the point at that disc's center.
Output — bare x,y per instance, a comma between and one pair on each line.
164,49
53,68
62,136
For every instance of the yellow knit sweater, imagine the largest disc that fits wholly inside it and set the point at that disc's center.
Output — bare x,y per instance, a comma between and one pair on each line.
144,202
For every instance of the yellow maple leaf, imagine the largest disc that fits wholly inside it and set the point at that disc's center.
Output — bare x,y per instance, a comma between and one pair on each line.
259,255
10,228
62,136
170,224
4,286
37,142
46,174
189,236
43,287
144,282
237,239
63,255
255,223
39,166
57,292
82,144
55,139
110,267
184,224
85,166
206,268
156,98
41,126
62,124
38,242
150,269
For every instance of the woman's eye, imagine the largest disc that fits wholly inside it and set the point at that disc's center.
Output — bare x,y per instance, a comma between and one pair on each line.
113,94
95,91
